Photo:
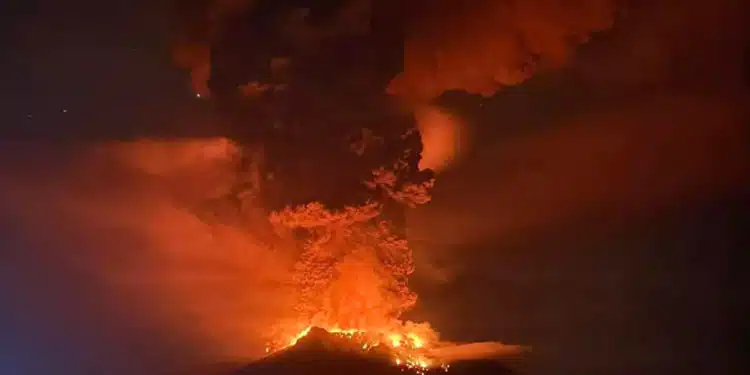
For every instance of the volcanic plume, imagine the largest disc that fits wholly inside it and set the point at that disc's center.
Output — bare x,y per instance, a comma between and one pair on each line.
211,238
482,46
144,218
351,261
478,47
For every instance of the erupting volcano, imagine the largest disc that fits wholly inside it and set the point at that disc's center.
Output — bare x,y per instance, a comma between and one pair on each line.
406,351
348,291
322,351
331,107
372,187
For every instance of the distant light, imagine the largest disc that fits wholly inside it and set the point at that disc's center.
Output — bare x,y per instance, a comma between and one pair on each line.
64,110
197,95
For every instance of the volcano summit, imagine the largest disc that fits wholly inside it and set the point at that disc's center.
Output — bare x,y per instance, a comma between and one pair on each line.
323,352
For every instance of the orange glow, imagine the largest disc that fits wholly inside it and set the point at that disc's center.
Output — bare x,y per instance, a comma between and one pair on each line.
443,137
416,341
395,340
482,46
213,276
409,353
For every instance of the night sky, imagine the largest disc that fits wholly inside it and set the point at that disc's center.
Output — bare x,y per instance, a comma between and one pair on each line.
596,216
93,70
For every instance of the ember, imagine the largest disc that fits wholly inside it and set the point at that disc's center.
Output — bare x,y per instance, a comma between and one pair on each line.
406,350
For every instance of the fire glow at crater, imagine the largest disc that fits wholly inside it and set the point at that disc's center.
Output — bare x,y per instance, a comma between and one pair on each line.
351,280
342,270
372,140
408,351
238,285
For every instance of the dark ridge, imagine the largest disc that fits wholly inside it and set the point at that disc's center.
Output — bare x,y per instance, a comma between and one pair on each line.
320,352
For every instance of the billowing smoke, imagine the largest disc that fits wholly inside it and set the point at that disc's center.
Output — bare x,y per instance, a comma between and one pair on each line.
138,221
634,128
203,22
444,137
159,227
483,46
478,47
625,162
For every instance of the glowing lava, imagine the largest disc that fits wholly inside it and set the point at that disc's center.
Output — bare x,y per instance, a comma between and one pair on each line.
407,349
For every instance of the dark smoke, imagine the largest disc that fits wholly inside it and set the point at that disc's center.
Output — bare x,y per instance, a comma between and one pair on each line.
653,116
648,118
627,161
482,46
478,46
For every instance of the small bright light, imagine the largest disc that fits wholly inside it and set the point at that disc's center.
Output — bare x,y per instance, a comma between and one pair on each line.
197,95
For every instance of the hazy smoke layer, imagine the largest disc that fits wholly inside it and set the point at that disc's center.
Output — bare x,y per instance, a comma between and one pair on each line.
651,117
624,162
135,220
154,226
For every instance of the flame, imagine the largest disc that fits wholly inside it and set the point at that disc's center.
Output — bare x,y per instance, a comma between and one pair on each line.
350,279
300,335
408,349
395,340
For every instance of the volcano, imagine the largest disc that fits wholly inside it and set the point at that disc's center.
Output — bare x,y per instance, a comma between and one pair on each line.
321,352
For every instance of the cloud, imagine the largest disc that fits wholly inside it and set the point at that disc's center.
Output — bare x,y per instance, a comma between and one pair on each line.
482,46
630,160
131,221
633,127
443,135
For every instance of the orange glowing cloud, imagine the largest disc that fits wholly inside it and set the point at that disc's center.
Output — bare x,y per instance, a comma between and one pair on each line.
630,160
481,46
443,137
140,220
159,225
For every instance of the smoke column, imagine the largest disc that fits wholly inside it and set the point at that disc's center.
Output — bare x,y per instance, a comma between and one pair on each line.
477,47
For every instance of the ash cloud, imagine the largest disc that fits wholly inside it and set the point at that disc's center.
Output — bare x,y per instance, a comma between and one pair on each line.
201,23
482,46
646,119
123,268
478,46
192,275
625,162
